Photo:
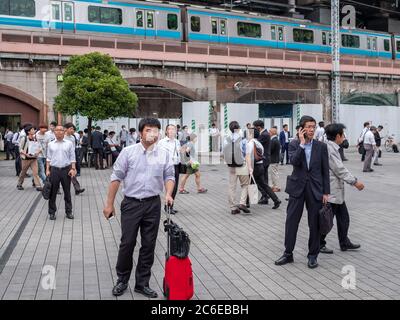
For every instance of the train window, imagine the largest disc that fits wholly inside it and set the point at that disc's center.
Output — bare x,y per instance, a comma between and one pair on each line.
104,15
371,43
250,30
195,23
56,11
326,38
172,21
139,19
20,8
350,41
68,12
280,33
386,45
214,26
273,32
150,19
222,25
302,35
398,46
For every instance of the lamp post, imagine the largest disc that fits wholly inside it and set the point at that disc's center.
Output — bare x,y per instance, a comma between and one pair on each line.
335,47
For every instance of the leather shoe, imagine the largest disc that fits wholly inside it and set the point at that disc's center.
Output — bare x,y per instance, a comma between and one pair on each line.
263,201
324,249
277,204
52,216
69,215
20,187
119,288
312,262
146,291
79,191
286,258
235,211
243,208
39,189
368,170
350,246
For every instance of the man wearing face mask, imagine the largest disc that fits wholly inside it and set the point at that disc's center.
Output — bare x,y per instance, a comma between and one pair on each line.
309,184
144,169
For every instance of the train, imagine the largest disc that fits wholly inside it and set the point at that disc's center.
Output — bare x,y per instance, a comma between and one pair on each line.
190,23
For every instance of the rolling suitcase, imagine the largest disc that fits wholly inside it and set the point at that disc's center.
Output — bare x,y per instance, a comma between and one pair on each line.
178,279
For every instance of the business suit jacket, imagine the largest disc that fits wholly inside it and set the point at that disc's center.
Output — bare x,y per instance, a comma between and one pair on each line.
265,139
282,138
317,175
97,140
275,150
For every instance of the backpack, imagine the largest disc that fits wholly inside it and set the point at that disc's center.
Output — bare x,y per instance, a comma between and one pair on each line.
233,152
258,153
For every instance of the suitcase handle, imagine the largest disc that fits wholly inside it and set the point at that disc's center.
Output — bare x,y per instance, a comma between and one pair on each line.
168,223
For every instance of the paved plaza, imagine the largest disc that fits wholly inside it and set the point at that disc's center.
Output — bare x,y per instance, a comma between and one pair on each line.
233,256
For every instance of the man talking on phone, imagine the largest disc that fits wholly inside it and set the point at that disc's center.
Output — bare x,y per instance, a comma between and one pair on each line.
144,169
309,184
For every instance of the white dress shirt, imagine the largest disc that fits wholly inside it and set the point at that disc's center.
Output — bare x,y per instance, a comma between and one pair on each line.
173,147
369,138
60,154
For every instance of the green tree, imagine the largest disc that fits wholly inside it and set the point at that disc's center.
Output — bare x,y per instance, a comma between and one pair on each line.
93,87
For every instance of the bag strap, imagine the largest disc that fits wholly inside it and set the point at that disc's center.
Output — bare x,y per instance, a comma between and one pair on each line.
252,178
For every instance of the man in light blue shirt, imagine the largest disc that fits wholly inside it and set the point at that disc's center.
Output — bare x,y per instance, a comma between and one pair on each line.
144,168
307,150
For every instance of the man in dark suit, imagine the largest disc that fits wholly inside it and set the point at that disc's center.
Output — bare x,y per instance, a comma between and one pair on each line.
284,141
265,139
97,146
309,184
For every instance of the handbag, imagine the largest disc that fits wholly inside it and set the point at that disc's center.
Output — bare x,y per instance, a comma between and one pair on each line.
325,219
46,192
179,242
345,144
182,168
252,191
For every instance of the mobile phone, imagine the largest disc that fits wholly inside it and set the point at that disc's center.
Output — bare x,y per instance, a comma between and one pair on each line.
112,216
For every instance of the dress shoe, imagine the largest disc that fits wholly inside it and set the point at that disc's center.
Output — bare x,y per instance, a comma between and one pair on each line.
377,164
235,211
243,208
312,262
39,189
247,205
52,216
345,159
286,258
277,204
20,187
263,201
146,291
350,246
79,191
326,250
368,170
69,216
119,288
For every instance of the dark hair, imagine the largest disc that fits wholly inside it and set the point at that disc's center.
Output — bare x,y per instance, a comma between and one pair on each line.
297,127
285,125
150,122
132,130
28,128
234,125
54,123
98,128
86,130
366,124
380,126
213,125
275,127
333,129
321,124
80,131
43,125
178,126
105,131
184,127
68,125
305,119
258,123
111,133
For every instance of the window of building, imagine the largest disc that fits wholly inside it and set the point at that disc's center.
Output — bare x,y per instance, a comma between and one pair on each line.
172,21
386,45
150,19
20,8
251,30
302,35
350,41
195,23
104,15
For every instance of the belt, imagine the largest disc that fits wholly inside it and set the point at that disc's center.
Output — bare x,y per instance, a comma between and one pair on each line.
143,199
57,168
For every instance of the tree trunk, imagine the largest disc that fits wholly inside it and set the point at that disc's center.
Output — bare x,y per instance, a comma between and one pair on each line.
90,132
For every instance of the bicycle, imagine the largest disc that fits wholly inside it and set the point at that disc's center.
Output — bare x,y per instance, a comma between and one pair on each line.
389,142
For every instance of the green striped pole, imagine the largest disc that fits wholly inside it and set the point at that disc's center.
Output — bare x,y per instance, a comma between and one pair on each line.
77,122
210,113
225,119
298,113
193,125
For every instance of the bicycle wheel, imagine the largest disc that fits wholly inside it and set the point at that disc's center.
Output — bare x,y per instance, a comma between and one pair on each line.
388,146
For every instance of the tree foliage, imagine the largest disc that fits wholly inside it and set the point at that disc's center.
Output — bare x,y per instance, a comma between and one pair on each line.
93,87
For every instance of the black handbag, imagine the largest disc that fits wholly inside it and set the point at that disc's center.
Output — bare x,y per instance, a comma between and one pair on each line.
325,219
345,144
182,168
179,241
46,192
361,149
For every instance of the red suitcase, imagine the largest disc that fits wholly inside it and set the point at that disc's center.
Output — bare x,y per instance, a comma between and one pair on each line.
178,279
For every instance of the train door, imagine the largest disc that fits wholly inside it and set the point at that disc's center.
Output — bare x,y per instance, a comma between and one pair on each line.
219,30
278,36
62,16
146,23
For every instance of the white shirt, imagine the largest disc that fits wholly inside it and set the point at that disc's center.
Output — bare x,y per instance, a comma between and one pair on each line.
110,142
214,132
71,138
43,141
286,136
250,149
173,147
51,135
361,138
60,154
319,133
369,138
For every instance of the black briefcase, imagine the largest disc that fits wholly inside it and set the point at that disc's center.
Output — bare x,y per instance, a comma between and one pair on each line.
179,242
46,192
325,219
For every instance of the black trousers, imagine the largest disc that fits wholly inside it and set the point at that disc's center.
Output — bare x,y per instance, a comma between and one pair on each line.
176,181
341,152
137,215
83,155
58,175
285,148
343,223
98,157
262,184
78,160
18,162
9,149
294,212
